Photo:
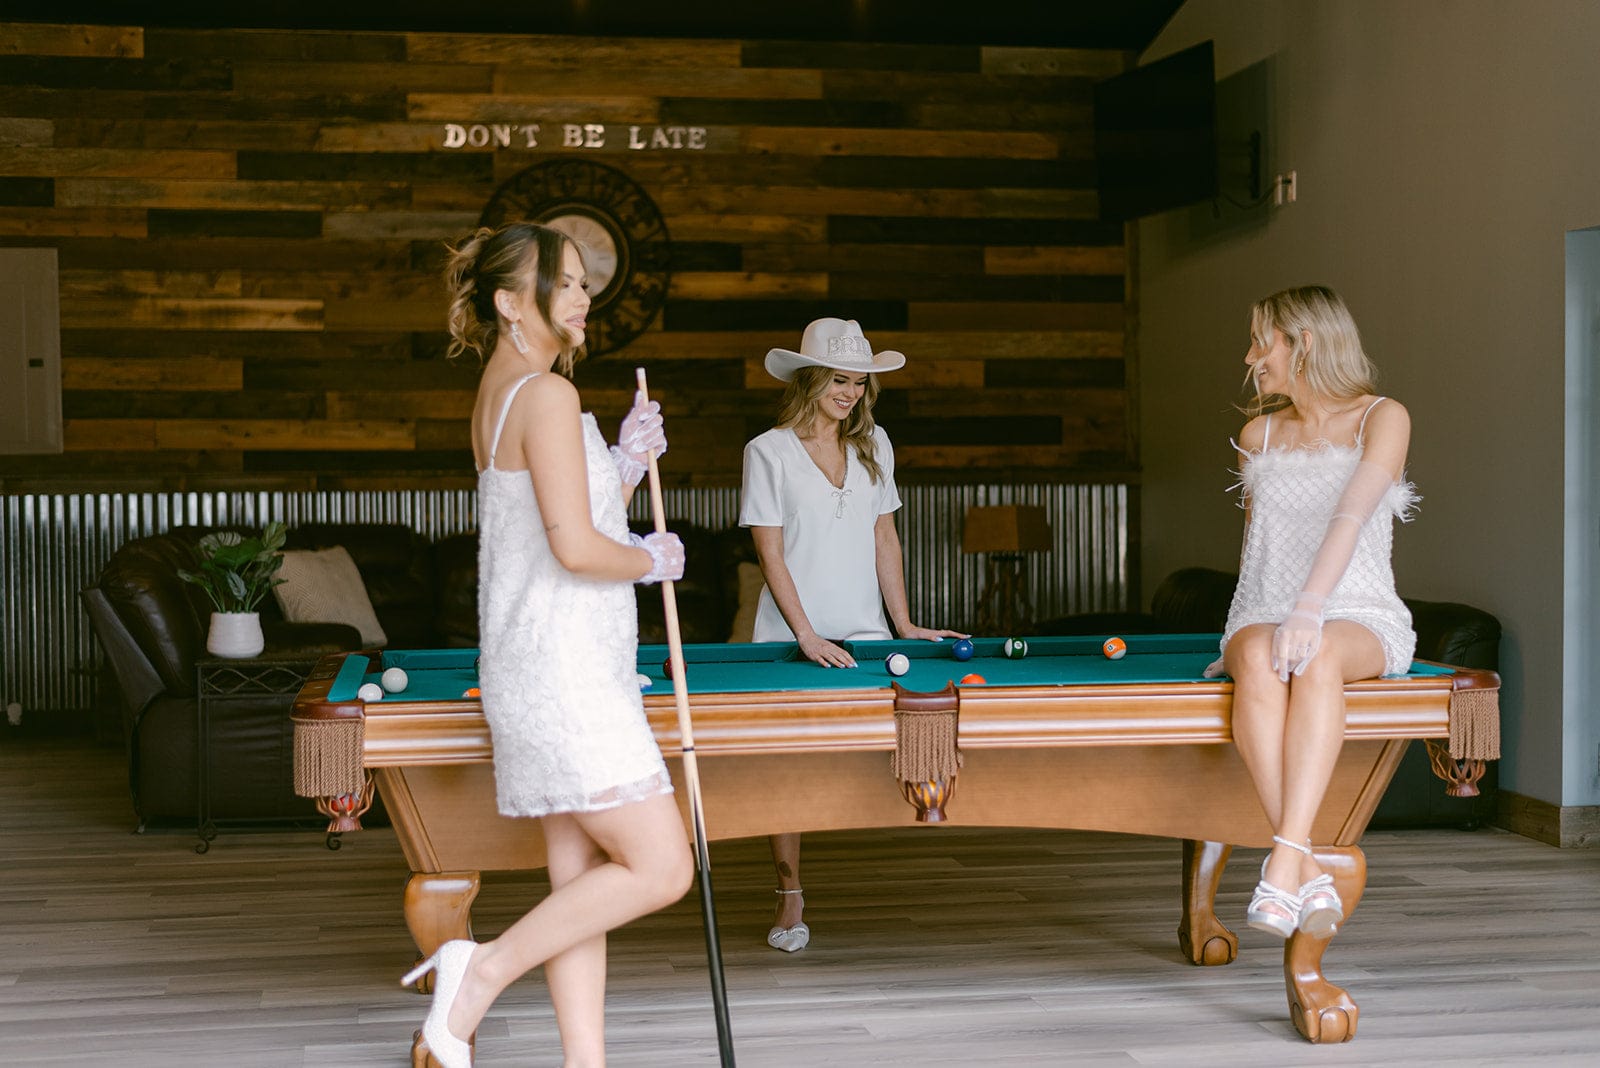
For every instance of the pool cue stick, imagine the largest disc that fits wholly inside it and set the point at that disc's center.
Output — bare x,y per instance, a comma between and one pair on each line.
691,770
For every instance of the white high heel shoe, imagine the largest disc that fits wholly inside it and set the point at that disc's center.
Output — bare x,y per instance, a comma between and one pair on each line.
449,965
790,939
1321,910
1272,908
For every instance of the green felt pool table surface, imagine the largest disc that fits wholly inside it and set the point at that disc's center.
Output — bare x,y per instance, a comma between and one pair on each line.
446,674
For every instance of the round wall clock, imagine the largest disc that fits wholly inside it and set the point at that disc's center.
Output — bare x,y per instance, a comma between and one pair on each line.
624,240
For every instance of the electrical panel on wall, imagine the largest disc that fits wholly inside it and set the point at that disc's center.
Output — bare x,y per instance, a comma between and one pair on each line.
30,352
1247,178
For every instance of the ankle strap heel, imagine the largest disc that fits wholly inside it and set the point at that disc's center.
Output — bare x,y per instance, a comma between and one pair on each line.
1306,849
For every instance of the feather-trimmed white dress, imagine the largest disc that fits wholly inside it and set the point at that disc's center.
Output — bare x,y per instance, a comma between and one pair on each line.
1291,494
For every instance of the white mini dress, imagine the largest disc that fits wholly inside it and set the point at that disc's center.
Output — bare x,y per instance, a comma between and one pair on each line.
557,668
829,545
1291,494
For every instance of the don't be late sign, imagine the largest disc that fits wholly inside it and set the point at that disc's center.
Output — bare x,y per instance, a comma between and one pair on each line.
580,135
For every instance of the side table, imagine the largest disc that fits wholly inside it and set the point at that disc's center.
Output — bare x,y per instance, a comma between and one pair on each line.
219,681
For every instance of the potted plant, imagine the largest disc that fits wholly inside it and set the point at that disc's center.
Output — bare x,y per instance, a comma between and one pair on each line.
236,572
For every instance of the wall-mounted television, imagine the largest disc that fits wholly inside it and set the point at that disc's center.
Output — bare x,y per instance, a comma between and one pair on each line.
1155,136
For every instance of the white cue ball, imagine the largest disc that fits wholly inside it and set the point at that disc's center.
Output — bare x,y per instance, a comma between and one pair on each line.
897,663
644,681
394,680
370,691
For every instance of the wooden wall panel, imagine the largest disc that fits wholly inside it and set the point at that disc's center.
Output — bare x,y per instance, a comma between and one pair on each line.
250,226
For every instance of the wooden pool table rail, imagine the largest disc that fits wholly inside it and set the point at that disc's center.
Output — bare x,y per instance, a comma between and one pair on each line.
455,731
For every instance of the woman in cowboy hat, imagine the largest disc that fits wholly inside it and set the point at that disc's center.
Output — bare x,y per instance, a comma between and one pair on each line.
819,498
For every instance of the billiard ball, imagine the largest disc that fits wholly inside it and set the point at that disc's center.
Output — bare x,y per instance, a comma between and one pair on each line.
644,682
1014,648
962,649
897,663
394,680
472,691
973,680
370,691
666,667
1114,648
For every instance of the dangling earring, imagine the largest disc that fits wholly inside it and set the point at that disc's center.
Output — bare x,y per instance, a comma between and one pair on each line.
517,339
1299,365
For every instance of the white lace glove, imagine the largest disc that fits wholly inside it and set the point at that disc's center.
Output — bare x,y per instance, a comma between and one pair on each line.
666,557
1298,637
643,434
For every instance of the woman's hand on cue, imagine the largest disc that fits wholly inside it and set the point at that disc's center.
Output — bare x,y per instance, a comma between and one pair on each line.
824,652
929,634
666,557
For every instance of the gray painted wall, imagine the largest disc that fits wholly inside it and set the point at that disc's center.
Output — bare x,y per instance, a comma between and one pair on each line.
1580,779
1444,148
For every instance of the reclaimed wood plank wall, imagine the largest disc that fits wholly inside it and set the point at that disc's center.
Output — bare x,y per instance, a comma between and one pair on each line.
250,227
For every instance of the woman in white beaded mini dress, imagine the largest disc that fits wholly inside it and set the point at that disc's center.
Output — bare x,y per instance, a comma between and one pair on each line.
559,639
819,498
1323,479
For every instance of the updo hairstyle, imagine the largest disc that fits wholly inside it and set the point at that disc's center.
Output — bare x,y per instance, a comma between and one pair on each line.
511,257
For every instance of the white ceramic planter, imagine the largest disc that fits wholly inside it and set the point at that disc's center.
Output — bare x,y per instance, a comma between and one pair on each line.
236,635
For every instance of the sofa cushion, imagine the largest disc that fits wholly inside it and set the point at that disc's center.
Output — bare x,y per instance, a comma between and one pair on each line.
396,564
324,586
1457,634
1193,600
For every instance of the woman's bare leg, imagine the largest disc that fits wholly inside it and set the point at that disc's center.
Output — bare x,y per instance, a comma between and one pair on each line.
1314,732
576,977
647,867
1260,716
1289,734
786,860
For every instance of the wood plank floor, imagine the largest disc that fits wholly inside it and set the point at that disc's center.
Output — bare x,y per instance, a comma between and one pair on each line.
931,946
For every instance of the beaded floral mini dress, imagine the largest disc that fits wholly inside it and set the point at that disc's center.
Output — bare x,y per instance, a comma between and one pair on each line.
557,672
1291,494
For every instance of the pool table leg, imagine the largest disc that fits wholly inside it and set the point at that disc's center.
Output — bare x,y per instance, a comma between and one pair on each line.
438,908
1319,1010
1201,936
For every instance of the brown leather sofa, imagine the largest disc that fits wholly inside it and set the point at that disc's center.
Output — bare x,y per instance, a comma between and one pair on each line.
1194,600
151,627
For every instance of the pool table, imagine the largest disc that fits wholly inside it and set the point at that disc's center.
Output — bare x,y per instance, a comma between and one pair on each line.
1062,738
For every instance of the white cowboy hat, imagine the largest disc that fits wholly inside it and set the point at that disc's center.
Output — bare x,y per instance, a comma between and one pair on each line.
835,343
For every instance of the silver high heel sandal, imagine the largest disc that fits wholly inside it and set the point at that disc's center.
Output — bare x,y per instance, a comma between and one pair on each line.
449,965
1272,908
1321,910
790,939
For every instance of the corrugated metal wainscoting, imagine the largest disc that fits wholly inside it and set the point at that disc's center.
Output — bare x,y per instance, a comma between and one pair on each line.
51,546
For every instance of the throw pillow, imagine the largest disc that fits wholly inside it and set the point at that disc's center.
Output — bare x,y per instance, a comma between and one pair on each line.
751,584
324,586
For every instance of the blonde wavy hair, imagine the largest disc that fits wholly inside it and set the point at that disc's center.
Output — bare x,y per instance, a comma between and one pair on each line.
1334,365
513,257
799,404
